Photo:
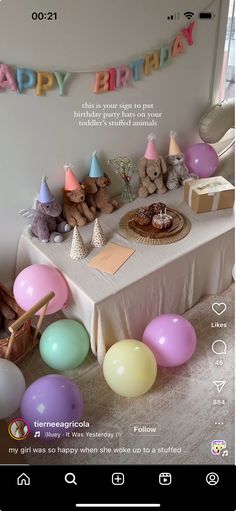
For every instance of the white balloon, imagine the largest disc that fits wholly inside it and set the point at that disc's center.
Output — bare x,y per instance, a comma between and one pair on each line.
12,388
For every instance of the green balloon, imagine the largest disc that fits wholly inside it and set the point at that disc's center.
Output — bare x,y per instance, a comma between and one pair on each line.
64,344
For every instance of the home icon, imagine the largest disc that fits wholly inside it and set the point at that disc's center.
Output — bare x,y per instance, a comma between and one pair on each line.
23,480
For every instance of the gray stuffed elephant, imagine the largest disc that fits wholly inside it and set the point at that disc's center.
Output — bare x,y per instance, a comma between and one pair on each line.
47,223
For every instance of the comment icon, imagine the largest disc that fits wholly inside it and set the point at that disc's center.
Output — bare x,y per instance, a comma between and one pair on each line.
219,347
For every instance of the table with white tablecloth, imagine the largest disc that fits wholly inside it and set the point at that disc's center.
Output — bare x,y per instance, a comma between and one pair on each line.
156,279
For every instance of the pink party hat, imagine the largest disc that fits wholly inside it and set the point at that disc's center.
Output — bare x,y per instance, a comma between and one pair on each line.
71,181
151,150
173,147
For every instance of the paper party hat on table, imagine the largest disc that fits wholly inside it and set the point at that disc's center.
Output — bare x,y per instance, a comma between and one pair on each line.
78,249
151,150
71,181
98,237
45,194
95,169
173,147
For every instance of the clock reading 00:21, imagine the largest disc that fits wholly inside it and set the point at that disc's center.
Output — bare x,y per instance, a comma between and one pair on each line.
44,16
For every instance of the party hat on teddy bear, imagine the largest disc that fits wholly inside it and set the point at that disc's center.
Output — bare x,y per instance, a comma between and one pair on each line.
98,237
78,249
173,147
71,181
95,169
151,150
44,194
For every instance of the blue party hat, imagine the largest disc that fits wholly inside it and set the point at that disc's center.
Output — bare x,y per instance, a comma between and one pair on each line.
95,170
45,194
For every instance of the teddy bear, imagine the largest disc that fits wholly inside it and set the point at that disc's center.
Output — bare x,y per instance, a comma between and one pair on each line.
75,208
47,223
151,170
96,187
177,171
98,195
151,174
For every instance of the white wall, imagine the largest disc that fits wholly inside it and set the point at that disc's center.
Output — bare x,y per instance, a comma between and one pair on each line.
38,134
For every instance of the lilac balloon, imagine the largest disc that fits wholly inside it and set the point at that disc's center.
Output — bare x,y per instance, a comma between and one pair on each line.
52,398
171,338
201,159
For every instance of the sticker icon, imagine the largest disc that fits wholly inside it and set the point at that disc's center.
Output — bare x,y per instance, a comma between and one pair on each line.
217,446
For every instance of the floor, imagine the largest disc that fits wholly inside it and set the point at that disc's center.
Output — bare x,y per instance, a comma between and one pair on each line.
180,405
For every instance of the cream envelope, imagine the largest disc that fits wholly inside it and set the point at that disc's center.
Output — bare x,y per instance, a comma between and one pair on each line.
111,258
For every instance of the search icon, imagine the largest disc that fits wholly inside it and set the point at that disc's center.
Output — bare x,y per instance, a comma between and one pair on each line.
70,478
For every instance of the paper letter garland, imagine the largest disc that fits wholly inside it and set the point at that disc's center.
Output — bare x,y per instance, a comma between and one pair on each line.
106,80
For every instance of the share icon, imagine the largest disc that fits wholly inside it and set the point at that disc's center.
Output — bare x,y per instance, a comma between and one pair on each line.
219,385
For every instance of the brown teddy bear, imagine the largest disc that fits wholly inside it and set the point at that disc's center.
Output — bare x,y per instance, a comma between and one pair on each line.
151,176
98,195
151,169
75,209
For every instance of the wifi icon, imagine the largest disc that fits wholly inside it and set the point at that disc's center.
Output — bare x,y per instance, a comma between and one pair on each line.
188,14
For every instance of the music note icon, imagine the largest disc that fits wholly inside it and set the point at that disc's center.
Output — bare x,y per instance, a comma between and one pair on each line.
37,434
225,453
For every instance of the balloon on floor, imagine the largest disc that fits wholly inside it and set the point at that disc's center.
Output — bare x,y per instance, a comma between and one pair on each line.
64,344
35,282
53,399
12,388
129,368
171,338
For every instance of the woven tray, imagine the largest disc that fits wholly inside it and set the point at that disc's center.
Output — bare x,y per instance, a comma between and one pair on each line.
149,235
148,231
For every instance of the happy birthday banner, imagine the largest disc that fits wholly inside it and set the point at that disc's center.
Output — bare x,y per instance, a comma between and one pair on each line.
105,81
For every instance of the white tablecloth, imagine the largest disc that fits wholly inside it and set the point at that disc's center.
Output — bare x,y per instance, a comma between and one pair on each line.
154,280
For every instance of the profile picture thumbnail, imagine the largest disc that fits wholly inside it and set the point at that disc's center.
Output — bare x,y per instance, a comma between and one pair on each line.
18,429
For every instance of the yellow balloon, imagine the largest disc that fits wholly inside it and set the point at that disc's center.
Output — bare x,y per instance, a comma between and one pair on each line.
129,368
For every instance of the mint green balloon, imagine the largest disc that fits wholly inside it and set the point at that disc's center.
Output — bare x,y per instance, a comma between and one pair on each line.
64,344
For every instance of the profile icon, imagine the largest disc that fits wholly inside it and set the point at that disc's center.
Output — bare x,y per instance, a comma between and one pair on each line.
18,429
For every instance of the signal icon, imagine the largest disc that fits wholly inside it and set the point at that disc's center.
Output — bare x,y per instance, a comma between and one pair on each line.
188,14
174,16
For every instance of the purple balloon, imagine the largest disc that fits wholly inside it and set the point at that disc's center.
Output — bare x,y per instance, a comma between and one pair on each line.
171,338
52,398
201,159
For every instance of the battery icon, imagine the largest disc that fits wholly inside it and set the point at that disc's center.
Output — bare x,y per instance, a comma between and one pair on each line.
206,15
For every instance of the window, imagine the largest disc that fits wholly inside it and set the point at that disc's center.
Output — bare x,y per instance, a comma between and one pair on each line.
227,81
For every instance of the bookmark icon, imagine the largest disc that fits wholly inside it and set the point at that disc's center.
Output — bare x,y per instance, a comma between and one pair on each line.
219,385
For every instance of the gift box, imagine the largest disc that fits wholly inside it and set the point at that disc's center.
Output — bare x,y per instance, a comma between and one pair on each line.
209,194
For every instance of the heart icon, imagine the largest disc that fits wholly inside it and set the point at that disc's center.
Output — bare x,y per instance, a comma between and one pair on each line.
219,308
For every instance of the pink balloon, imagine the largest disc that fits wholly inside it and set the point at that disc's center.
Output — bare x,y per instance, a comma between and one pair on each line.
201,159
36,281
171,338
